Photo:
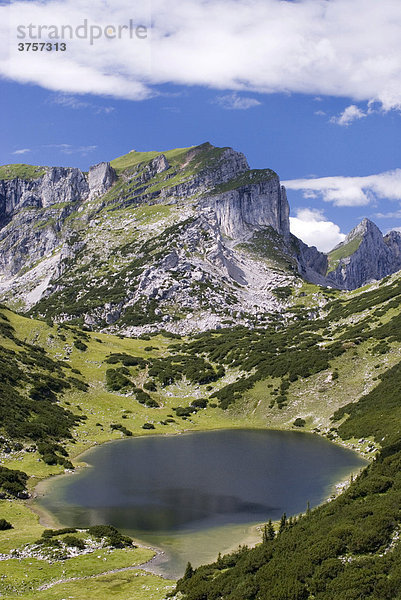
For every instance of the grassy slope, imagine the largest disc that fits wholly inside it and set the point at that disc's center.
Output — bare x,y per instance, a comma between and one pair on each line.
21,171
132,159
342,252
314,398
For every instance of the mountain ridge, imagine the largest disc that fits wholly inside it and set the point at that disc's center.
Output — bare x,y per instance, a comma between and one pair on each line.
183,240
178,227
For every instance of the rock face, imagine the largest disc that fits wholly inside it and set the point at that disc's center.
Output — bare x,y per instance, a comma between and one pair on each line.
56,186
32,215
262,204
312,264
364,256
101,177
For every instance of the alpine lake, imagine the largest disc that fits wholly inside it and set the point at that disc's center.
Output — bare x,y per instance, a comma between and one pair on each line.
194,495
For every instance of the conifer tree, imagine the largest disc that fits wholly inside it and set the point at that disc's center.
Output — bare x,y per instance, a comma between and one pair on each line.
283,523
268,532
188,572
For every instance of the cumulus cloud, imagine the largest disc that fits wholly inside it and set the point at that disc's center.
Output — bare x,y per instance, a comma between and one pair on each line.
350,191
235,102
311,227
317,47
349,114
22,151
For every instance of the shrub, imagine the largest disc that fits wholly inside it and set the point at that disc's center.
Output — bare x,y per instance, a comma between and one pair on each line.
184,411
119,427
5,525
49,533
116,381
74,542
112,536
80,345
151,403
148,426
199,403
12,481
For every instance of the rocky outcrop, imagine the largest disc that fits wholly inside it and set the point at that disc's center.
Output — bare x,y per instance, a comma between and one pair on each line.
32,215
364,256
393,242
100,178
204,175
62,185
57,185
253,206
312,264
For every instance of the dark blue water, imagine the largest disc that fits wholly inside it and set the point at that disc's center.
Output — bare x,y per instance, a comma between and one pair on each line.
161,489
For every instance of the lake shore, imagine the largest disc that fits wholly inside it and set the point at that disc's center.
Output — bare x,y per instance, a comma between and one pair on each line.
249,535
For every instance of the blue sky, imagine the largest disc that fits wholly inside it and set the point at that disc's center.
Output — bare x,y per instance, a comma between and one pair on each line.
315,110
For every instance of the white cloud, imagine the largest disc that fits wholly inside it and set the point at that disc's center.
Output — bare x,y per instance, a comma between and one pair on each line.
389,215
316,47
75,104
349,114
312,228
22,151
351,191
235,102
70,149
69,102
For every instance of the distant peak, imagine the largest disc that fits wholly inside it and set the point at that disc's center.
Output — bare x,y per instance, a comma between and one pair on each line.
367,223
365,227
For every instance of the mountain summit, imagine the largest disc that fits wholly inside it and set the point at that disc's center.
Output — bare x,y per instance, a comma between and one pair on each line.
364,256
183,240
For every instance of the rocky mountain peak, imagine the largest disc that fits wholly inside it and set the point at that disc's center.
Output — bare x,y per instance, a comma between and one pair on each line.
192,228
364,256
364,228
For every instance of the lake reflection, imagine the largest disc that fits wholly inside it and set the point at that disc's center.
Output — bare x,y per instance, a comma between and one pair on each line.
163,488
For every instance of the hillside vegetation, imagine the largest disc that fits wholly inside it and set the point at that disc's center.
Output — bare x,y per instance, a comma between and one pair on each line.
66,389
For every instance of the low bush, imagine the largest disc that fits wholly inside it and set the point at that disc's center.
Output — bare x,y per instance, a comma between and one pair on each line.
4,525
74,542
80,345
13,482
116,381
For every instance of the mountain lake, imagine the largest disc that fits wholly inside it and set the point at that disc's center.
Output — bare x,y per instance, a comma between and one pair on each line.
194,495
